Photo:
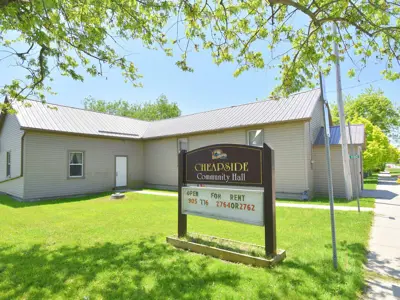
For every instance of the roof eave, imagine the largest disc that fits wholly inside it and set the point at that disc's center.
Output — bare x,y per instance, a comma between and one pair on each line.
99,136
224,128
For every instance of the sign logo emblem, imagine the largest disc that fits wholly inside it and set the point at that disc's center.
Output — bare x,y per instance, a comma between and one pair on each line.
227,164
218,154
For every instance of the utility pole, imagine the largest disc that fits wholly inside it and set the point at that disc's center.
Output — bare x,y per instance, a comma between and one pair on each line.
327,134
343,133
355,170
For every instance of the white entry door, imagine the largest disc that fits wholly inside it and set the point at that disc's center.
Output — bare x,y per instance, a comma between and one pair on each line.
121,171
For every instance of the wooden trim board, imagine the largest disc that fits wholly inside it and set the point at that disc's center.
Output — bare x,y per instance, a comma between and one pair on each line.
226,254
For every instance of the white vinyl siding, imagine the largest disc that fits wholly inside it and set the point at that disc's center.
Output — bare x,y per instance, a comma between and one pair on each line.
320,171
46,164
161,157
161,161
287,139
222,137
317,121
14,187
11,141
312,129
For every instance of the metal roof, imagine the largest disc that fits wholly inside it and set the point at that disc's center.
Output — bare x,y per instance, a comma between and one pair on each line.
297,106
59,118
52,117
357,135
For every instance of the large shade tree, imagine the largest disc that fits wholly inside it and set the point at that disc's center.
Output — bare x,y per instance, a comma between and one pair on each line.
77,37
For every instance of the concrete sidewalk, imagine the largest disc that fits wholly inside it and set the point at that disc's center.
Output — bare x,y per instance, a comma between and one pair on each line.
168,194
384,246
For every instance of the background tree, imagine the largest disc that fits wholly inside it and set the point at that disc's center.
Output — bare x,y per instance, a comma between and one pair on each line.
378,151
148,111
74,37
372,105
394,154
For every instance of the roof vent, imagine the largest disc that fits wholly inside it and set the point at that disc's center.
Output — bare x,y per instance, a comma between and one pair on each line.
120,133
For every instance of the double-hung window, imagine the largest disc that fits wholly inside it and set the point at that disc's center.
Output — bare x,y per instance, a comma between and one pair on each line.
8,168
255,137
182,144
75,164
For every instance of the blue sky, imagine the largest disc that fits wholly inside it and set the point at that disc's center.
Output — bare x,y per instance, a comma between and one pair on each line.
209,87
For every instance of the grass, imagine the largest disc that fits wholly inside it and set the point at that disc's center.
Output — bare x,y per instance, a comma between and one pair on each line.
115,249
364,202
226,244
394,171
371,182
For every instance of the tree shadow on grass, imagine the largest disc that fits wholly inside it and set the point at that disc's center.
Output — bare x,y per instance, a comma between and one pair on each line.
148,269
327,281
142,270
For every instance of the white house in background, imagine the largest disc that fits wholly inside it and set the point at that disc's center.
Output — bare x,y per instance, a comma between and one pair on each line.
50,151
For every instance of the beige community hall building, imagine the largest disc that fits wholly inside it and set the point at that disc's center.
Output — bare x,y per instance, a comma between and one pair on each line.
50,151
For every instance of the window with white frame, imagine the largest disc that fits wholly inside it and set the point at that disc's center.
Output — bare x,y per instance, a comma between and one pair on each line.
8,169
75,164
255,137
182,144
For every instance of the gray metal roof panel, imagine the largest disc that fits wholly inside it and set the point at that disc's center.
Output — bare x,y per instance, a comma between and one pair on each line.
357,135
59,118
53,117
296,107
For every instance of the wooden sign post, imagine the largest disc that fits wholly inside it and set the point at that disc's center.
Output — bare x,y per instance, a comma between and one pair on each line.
229,165
182,218
269,200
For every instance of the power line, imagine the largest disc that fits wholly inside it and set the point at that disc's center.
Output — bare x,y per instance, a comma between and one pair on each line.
354,86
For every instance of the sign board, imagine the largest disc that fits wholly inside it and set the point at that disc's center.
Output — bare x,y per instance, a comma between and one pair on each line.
229,165
326,118
238,205
354,156
225,165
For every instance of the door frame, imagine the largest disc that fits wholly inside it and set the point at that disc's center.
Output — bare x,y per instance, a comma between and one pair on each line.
115,170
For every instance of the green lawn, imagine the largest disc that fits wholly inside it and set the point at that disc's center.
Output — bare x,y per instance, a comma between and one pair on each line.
364,202
116,249
394,171
371,182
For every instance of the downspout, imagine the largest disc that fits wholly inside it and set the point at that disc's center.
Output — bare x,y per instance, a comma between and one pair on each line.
22,153
307,127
